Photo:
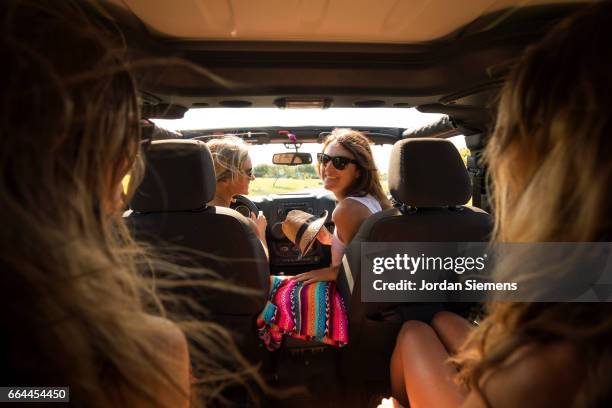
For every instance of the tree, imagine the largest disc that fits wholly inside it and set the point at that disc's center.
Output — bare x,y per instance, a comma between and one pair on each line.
262,170
306,171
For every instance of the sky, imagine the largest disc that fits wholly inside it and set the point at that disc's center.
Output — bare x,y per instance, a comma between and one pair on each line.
211,118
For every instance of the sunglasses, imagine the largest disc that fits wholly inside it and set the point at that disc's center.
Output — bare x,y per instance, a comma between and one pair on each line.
248,172
339,162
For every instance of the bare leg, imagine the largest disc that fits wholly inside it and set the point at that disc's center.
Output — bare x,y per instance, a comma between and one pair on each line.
419,361
452,330
398,388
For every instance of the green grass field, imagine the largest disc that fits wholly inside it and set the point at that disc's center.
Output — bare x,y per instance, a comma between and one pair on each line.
265,185
268,185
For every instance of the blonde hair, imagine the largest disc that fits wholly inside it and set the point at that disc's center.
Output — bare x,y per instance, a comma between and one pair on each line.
359,145
549,160
229,154
72,284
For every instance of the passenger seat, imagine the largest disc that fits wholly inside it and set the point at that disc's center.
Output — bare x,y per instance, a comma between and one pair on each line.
430,186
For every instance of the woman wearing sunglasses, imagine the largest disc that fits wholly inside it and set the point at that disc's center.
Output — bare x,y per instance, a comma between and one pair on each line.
234,173
347,169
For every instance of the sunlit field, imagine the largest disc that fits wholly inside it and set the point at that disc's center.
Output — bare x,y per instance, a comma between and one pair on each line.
265,185
269,185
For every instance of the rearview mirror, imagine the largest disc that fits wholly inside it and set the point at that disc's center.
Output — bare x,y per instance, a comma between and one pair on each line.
291,159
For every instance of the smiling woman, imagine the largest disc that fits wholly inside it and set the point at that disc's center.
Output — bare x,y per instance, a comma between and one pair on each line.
347,169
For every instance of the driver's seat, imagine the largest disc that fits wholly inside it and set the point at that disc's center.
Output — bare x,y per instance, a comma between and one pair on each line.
169,211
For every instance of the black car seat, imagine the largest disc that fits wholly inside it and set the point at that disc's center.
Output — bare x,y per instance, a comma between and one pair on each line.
429,184
169,211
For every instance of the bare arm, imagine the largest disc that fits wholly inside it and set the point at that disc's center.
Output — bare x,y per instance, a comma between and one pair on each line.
172,358
535,377
348,217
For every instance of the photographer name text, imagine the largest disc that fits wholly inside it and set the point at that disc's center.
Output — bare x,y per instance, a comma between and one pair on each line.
445,285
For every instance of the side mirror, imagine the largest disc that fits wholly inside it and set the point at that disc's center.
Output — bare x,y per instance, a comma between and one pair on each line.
292,159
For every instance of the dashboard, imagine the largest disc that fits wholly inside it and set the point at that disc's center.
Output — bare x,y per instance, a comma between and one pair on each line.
283,253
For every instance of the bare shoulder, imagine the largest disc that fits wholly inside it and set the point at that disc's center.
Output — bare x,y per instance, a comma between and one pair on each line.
348,217
533,377
166,333
170,382
350,209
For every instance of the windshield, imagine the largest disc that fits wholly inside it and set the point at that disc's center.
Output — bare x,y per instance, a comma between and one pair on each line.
274,179
278,179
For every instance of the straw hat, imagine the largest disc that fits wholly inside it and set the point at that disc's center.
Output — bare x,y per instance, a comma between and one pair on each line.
302,228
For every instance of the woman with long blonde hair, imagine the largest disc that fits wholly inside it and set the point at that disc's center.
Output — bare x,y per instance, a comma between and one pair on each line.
77,311
549,160
234,173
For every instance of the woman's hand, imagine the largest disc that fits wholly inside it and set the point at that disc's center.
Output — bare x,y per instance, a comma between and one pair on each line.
324,236
261,223
318,275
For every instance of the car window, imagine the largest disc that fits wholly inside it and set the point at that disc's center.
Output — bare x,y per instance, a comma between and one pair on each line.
274,179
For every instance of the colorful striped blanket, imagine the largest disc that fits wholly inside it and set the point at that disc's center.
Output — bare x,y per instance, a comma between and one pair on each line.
308,312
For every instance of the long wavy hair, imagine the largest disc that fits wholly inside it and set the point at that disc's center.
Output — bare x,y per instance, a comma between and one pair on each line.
359,145
550,164
72,289
229,153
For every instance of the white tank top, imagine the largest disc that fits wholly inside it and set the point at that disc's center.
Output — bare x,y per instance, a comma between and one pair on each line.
337,246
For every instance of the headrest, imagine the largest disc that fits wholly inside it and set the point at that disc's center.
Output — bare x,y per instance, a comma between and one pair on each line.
428,173
179,176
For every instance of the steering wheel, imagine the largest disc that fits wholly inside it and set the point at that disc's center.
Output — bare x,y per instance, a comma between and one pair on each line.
244,206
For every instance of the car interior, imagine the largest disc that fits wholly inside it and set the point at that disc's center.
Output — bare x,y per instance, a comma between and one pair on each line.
442,57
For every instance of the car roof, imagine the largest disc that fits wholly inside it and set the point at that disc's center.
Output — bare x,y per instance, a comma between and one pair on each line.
442,56
355,21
